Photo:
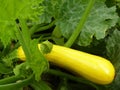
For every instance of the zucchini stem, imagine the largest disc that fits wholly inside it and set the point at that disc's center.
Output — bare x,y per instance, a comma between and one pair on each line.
65,75
10,80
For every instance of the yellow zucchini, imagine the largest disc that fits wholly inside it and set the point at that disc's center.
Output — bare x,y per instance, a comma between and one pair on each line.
94,68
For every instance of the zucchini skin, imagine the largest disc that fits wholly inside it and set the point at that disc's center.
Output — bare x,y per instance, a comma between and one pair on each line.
94,68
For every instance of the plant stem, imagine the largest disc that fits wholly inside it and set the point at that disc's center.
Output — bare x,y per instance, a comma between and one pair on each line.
65,75
80,24
24,38
17,85
37,28
11,79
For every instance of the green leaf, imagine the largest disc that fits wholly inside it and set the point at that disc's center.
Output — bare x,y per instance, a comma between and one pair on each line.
113,52
80,25
113,48
99,21
7,32
68,13
11,10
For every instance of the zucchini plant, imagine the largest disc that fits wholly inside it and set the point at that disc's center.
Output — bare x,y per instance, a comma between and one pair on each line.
76,28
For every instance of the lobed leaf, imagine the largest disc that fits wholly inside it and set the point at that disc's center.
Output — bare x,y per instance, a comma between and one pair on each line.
11,10
68,13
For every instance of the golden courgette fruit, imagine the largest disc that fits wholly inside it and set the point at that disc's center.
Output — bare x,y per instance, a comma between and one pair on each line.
94,68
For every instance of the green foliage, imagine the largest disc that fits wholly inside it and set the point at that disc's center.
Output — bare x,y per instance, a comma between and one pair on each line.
11,10
55,20
68,13
13,26
113,52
